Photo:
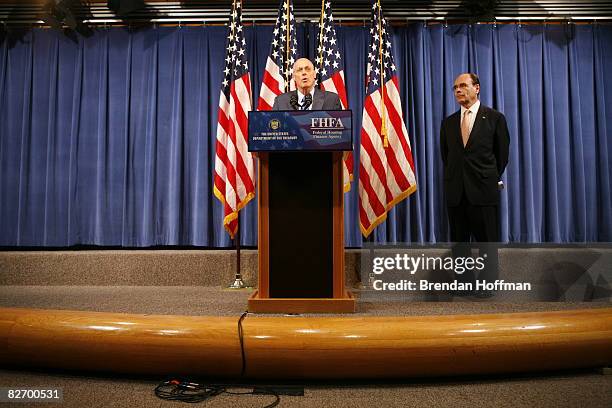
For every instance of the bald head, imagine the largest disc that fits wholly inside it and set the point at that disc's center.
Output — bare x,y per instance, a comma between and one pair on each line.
304,75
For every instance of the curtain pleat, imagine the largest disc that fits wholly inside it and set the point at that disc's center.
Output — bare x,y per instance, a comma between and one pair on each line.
109,140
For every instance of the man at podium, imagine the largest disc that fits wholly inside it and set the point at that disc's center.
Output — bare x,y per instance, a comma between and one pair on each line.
300,192
306,96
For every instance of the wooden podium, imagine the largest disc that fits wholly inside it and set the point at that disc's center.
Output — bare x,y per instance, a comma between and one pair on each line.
301,234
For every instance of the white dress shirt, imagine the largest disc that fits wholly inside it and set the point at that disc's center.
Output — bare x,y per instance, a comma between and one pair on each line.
301,97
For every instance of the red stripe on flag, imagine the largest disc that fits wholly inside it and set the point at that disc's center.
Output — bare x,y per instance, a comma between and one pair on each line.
242,121
403,140
233,183
220,184
349,162
366,143
375,160
373,113
262,105
240,116
232,225
271,83
229,166
222,119
363,216
399,173
340,88
397,123
377,206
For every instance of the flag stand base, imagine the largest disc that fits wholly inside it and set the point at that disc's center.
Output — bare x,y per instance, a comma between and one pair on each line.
239,284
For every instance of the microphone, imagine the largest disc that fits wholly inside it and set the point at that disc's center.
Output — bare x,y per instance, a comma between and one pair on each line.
293,101
307,101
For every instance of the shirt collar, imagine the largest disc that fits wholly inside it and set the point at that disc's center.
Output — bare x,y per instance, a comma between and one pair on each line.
301,95
474,108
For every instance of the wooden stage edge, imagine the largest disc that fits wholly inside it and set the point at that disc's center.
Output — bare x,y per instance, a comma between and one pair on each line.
306,347
345,304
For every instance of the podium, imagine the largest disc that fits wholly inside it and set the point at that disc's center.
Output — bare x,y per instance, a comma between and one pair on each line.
301,211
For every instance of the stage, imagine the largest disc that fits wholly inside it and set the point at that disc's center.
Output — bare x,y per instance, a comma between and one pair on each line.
184,290
160,293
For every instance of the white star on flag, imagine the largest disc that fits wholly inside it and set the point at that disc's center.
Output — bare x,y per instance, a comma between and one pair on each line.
234,180
386,167
283,53
330,73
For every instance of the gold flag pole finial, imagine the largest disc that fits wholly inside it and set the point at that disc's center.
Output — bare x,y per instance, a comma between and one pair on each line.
383,113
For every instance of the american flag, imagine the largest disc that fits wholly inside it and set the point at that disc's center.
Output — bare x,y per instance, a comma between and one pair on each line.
283,53
234,171
386,168
330,72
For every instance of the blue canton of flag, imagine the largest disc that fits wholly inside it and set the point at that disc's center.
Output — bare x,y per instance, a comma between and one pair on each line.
386,167
330,73
379,26
236,64
234,176
329,61
283,53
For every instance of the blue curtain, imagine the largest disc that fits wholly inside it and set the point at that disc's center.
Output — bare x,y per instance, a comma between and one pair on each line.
109,140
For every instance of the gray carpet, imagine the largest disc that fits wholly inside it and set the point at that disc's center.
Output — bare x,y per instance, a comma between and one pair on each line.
195,300
187,283
568,389
577,389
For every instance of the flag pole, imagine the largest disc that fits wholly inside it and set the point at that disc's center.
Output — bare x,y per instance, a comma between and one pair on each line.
287,49
369,243
320,61
238,282
233,25
383,116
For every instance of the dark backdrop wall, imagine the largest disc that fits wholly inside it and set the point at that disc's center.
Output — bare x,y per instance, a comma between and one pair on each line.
109,140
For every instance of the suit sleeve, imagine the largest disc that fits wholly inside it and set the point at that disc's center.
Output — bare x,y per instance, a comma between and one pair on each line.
337,103
443,145
501,147
331,101
275,105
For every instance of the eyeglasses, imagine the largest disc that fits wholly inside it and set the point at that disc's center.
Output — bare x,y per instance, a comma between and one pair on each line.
462,85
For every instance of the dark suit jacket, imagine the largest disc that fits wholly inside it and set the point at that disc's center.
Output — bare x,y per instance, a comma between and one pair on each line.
478,167
322,100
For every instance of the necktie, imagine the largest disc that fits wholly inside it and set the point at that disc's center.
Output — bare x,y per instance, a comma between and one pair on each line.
465,127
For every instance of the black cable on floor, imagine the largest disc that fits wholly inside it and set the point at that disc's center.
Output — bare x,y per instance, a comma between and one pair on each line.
241,339
183,390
